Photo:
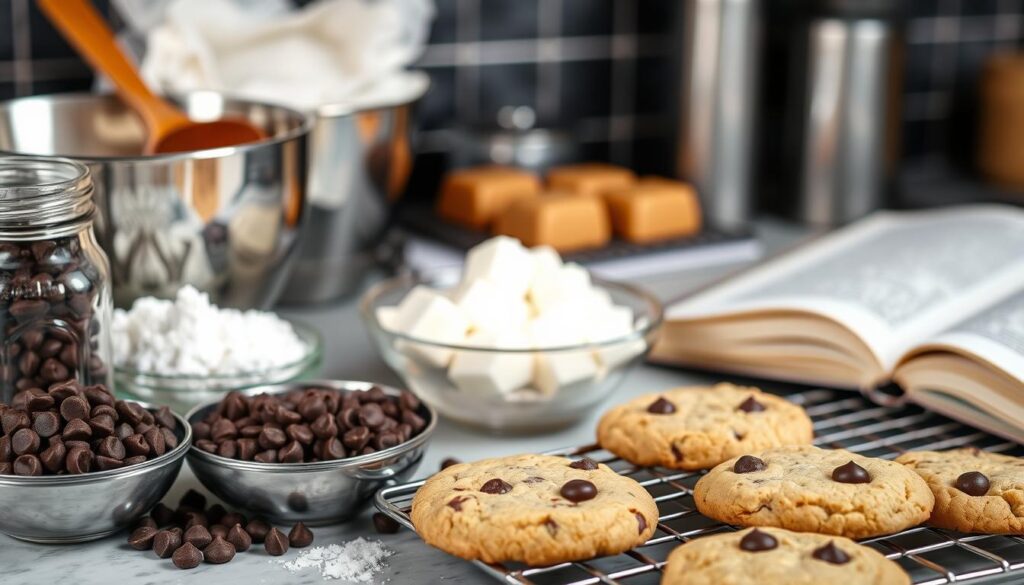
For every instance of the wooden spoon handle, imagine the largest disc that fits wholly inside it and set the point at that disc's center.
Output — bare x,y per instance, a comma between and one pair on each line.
86,30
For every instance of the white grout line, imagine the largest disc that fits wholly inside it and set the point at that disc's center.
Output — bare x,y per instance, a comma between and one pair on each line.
21,30
549,69
558,49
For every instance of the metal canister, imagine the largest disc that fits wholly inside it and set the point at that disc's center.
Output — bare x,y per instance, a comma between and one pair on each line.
719,96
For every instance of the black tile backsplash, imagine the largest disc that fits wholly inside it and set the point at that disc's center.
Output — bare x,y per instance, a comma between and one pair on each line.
572,60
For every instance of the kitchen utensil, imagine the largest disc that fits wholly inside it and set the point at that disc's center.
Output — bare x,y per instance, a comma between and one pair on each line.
847,116
170,130
720,63
842,420
183,392
317,493
226,221
524,410
60,509
361,159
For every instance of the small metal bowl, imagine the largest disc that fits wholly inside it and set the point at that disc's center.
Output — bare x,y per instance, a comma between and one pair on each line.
317,493
64,509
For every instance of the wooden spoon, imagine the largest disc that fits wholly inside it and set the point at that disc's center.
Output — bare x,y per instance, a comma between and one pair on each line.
169,128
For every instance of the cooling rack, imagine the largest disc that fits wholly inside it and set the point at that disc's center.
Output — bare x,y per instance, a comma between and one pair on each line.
841,420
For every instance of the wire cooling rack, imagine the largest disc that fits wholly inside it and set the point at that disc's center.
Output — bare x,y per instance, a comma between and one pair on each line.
841,420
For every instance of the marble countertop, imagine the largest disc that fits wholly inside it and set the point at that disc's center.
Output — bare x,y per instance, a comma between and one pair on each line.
349,355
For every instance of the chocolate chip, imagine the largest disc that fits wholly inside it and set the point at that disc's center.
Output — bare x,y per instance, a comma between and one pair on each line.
300,536
751,405
200,431
142,538
851,473
136,445
195,519
219,551
332,449
749,464
972,483
146,521
134,460
661,406
312,408
53,456
218,530
27,465
586,464
112,447
198,536
268,456
233,518
301,433
74,407
324,426
258,530
6,453
192,499
641,522
275,543
385,524
162,514
247,449
456,502
356,438
240,539
187,556
272,438
13,420
25,441
79,460
757,541
102,425
578,490
165,543
496,486
223,429
104,463
77,430
830,553
371,415
290,453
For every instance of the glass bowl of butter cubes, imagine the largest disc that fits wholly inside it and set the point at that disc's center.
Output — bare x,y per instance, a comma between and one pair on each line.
523,342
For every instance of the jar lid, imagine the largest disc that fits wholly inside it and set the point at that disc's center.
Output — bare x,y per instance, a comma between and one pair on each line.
37,192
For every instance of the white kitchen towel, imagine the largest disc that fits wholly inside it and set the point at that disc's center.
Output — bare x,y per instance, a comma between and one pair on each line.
352,52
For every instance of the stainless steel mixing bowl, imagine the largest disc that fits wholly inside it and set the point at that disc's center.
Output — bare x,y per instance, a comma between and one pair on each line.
62,509
360,161
225,220
317,493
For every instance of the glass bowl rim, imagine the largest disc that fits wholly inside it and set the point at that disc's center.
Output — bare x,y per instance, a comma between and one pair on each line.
369,298
304,331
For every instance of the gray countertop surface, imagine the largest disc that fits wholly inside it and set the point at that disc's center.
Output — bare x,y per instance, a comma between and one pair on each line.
349,355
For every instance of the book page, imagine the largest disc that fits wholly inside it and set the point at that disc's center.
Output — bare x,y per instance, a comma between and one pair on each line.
893,279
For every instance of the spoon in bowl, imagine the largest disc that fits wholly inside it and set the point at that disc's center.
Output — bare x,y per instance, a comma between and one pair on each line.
169,129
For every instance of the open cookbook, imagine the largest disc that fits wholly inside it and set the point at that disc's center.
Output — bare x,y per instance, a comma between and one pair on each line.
933,301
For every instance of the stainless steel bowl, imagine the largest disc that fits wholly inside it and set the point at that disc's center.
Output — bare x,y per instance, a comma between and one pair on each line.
315,493
360,161
225,220
65,509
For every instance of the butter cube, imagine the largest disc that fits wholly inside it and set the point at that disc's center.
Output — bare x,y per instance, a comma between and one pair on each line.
387,317
491,308
475,197
492,371
611,323
557,370
503,261
431,316
568,284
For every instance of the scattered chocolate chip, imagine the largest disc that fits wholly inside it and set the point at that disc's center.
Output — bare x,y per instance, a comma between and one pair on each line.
162,514
258,530
300,536
275,543
749,464
218,530
586,464
578,490
972,483
187,556
198,536
219,551
496,486
385,524
830,553
757,541
165,543
851,473
661,406
751,405
239,538
456,503
146,521
641,522
142,538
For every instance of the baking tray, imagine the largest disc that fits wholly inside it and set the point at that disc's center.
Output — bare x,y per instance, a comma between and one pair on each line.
841,420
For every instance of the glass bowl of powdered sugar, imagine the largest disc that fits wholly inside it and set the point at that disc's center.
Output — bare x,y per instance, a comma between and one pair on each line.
186,351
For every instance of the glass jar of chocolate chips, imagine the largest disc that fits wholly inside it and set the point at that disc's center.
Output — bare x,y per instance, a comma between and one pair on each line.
55,300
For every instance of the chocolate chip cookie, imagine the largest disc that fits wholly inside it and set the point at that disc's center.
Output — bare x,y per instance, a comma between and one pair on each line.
771,556
974,491
534,509
808,489
699,427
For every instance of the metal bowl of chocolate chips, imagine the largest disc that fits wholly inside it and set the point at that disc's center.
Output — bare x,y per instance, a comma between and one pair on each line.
76,464
310,451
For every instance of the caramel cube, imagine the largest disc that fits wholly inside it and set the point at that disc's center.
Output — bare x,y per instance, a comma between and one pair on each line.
563,221
654,209
590,178
475,197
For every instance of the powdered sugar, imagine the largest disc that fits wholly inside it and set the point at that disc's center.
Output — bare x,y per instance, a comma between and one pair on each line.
355,561
191,336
